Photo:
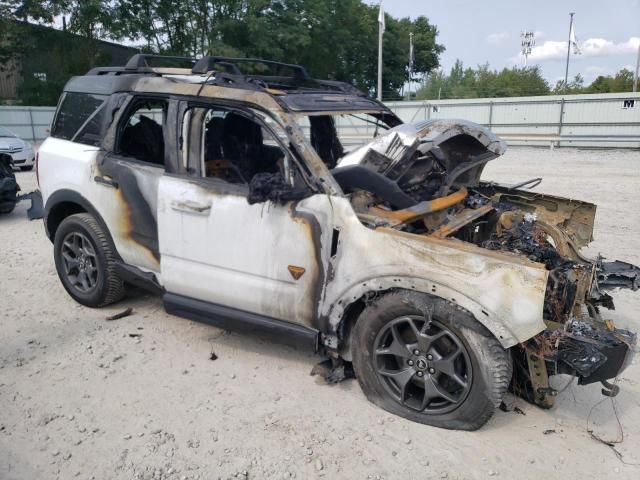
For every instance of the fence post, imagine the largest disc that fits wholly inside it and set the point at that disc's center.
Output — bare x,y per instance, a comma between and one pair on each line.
560,120
490,114
33,130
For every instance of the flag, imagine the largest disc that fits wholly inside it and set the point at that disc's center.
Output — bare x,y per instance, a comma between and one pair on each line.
574,41
381,18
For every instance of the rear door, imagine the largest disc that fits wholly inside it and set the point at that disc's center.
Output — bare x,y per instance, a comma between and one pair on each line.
266,258
127,178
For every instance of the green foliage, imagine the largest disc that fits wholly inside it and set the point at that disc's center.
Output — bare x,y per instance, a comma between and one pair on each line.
574,86
483,83
621,82
514,82
335,39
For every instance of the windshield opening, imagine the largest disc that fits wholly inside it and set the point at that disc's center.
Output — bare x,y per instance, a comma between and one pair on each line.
333,135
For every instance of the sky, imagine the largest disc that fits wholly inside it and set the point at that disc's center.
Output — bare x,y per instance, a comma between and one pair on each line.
480,31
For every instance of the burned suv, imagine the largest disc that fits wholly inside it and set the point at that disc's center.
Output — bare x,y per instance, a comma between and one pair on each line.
239,190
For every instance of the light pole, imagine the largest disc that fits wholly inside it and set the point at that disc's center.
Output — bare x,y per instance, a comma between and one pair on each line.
566,71
380,34
528,40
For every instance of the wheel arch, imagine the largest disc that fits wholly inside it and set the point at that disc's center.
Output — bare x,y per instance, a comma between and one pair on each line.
64,203
346,309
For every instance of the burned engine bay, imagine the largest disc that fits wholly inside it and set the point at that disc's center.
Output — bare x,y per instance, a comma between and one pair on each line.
424,179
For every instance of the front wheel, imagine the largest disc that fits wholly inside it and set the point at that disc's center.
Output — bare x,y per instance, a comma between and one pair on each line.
85,261
429,361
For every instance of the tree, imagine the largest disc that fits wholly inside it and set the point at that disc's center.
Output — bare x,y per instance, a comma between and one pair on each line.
333,38
483,82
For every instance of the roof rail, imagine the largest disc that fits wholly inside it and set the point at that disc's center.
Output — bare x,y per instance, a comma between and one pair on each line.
230,65
285,76
141,60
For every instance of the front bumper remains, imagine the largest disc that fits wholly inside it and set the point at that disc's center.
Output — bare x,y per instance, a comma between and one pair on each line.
594,354
590,350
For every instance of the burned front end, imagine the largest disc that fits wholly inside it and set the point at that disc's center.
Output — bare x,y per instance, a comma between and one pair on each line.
424,179
578,340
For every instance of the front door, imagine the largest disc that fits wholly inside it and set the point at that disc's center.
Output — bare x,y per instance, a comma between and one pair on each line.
267,258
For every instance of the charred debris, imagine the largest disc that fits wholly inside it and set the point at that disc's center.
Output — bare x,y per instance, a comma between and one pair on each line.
9,189
424,179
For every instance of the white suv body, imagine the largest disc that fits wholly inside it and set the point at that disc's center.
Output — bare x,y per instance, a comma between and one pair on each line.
214,196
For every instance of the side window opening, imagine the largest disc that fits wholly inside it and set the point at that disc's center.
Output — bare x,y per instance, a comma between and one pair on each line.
142,133
234,147
80,117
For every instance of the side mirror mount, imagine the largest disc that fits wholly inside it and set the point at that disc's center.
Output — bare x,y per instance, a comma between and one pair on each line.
273,187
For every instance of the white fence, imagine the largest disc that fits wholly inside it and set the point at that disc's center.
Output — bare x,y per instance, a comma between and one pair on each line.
29,123
597,121
609,120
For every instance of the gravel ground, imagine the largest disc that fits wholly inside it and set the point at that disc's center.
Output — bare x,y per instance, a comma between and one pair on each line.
82,397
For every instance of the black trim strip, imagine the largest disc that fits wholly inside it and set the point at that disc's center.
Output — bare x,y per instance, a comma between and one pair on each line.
230,318
139,278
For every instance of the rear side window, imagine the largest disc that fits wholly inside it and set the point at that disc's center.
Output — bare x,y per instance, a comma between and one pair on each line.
79,118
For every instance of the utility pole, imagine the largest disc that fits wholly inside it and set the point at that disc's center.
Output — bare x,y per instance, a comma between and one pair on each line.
528,41
635,75
380,34
566,71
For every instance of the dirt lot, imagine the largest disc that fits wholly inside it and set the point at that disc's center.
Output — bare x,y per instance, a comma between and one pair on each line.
80,397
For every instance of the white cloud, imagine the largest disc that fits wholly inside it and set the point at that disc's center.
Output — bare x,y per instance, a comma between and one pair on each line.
498,38
591,47
596,70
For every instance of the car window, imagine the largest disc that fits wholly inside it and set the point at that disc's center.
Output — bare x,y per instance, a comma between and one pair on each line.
79,118
233,146
6,133
141,132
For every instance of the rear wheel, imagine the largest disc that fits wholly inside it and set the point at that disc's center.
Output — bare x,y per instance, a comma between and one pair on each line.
429,361
85,261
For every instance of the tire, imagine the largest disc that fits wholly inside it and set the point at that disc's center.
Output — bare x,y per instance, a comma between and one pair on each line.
434,328
80,243
27,168
7,208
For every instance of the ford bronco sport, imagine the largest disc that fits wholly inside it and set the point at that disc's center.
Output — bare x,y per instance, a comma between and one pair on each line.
227,188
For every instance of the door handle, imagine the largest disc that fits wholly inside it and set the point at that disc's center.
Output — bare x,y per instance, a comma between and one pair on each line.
108,181
190,206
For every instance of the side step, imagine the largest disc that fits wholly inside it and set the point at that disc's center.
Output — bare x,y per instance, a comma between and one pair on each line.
238,320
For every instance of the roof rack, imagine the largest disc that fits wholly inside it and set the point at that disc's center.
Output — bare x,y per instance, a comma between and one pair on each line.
230,65
143,60
253,73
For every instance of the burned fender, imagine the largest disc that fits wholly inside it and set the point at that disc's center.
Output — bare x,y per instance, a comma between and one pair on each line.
499,327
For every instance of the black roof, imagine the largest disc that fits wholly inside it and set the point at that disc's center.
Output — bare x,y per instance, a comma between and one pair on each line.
290,84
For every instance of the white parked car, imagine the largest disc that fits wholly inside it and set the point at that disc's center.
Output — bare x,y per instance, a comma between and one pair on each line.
21,152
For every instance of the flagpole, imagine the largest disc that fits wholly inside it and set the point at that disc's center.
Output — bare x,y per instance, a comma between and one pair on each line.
566,71
410,60
380,32
635,75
